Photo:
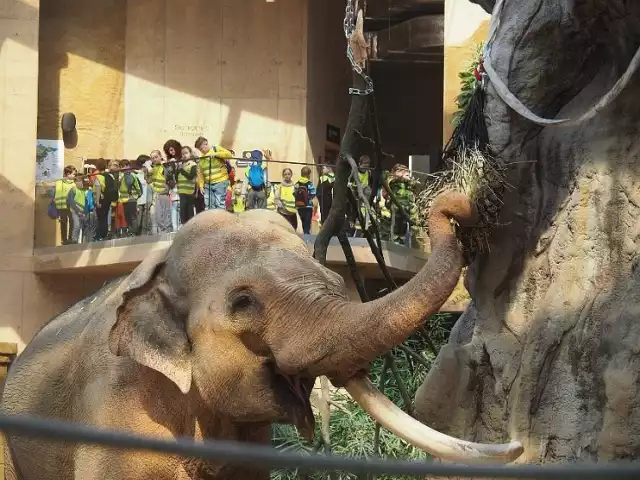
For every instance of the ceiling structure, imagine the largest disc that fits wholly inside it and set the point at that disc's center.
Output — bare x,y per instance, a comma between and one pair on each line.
406,30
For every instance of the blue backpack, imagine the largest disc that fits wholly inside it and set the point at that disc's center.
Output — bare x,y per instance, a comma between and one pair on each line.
256,174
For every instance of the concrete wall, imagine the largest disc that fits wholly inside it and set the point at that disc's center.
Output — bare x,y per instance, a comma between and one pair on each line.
328,74
138,73
82,57
26,300
81,70
232,71
18,94
466,25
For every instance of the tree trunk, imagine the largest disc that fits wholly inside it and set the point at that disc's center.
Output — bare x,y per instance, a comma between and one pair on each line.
548,352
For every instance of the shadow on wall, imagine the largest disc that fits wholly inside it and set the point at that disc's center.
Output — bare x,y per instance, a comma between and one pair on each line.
545,354
250,58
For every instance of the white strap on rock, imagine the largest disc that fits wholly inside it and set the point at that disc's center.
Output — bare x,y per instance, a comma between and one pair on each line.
511,100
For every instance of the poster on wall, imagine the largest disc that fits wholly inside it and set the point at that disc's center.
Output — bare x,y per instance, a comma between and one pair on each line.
49,160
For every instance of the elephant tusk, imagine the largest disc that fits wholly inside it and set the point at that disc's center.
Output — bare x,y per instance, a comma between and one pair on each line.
390,416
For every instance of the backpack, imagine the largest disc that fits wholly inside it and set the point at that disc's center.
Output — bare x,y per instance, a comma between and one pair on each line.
110,193
256,175
131,180
301,194
52,211
89,204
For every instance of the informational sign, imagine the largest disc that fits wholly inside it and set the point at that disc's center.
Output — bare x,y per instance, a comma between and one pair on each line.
244,163
49,160
191,131
333,134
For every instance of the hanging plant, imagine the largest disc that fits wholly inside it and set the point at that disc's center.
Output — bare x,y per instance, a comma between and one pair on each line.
470,78
468,165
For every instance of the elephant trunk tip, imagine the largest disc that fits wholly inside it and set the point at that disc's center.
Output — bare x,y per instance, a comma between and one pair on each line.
456,205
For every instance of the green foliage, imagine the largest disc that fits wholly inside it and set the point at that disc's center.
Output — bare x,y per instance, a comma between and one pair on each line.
352,430
468,84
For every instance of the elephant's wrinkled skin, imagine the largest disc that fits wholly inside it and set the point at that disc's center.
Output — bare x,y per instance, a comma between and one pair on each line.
219,336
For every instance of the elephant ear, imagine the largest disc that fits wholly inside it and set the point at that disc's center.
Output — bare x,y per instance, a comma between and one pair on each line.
148,329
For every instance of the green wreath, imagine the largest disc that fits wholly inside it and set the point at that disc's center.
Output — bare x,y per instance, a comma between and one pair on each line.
468,83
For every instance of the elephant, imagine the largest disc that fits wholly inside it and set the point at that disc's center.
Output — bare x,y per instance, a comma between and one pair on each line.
217,337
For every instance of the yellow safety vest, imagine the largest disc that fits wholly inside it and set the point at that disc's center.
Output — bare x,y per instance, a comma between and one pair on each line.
158,180
200,178
330,178
186,186
271,200
239,203
364,180
101,182
287,198
62,189
123,191
213,168
80,197
363,212
384,211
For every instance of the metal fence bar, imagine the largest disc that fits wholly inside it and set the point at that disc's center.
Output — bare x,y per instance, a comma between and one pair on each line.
269,457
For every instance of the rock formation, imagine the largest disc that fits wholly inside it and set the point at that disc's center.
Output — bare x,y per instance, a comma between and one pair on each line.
548,352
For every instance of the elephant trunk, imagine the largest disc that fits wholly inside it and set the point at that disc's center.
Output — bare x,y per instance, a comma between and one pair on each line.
355,334
362,332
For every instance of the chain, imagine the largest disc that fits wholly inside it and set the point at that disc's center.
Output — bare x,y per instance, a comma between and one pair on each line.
349,25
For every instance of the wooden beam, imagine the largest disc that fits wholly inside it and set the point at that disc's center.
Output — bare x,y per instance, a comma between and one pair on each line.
386,8
422,35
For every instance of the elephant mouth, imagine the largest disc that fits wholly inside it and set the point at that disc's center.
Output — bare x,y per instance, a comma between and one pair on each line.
298,404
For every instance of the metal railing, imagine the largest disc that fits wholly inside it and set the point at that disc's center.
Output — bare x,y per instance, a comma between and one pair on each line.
237,453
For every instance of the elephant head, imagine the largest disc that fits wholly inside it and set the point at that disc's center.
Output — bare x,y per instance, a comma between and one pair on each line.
238,313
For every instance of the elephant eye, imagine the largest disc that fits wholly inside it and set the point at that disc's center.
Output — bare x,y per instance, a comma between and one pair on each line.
241,300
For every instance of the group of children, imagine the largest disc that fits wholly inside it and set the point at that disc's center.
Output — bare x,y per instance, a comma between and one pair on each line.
397,222
157,193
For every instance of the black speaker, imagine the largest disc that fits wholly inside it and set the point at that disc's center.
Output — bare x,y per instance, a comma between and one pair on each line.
68,122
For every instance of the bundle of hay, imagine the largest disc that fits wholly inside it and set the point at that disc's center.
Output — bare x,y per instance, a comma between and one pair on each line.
479,176
469,168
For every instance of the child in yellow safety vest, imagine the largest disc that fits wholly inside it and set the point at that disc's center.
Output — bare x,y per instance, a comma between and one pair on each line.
63,198
105,193
285,198
305,193
324,191
89,222
215,172
365,181
79,211
129,191
187,177
238,201
161,181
